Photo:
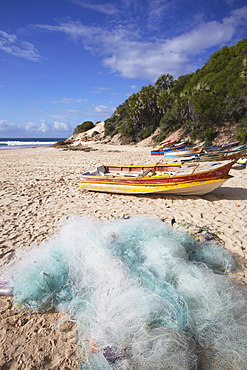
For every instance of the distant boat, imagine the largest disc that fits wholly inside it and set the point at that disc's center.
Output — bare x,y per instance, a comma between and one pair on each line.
169,148
184,152
167,142
160,178
232,154
222,146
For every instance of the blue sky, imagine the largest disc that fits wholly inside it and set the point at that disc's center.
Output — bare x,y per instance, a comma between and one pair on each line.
63,62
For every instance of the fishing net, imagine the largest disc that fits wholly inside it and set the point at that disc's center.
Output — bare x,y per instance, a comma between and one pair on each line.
144,295
43,282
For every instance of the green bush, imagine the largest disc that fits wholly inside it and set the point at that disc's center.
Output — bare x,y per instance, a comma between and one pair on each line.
169,122
85,126
242,136
208,135
127,128
146,132
110,126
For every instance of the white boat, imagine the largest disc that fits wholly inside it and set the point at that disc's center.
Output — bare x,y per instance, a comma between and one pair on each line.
184,152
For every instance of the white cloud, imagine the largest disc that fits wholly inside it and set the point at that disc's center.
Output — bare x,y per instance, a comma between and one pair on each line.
98,112
65,100
57,116
8,37
10,44
106,8
54,127
156,9
92,36
5,125
123,50
61,126
100,89
101,108
195,41
30,128
44,127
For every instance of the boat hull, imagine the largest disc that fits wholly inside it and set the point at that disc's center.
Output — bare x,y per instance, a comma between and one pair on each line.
128,175
222,146
188,188
183,152
169,148
167,142
162,151
222,156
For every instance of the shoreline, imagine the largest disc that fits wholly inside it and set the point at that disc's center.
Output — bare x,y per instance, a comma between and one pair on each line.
40,188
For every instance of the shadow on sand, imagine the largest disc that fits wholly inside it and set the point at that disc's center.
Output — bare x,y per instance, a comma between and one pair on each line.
226,192
230,193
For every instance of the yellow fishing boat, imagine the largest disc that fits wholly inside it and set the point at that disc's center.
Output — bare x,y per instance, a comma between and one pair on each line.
185,188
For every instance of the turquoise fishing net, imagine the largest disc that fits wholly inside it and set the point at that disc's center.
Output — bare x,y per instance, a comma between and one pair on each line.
144,295
40,280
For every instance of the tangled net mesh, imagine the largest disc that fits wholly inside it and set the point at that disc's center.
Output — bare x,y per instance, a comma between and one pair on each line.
144,295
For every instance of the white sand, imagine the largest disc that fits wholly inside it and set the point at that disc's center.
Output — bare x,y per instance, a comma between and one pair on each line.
40,186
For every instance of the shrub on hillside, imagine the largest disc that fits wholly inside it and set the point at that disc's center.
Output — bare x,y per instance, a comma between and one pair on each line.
85,126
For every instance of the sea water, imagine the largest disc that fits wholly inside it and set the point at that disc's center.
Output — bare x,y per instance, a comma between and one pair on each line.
14,143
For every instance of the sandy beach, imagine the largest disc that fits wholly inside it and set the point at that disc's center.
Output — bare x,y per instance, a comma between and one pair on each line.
40,188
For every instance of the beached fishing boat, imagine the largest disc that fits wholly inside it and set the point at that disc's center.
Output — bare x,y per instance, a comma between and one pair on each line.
161,176
184,152
167,142
168,148
223,149
184,188
222,146
233,154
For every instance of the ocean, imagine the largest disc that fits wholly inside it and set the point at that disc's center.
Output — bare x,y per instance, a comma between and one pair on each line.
10,143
